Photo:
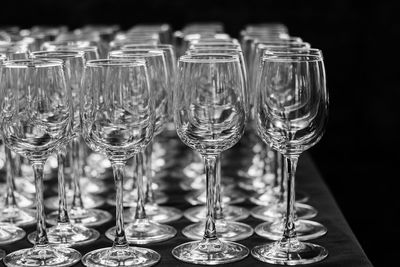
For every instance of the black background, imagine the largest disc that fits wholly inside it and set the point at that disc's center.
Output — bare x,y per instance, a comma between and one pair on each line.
360,41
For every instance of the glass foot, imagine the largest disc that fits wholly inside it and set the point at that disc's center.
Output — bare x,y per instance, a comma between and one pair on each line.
210,252
18,216
156,213
88,186
199,183
22,200
43,256
87,217
256,184
2,254
121,257
270,196
305,229
230,213
265,213
289,254
144,232
67,235
156,186
10,233
226,230
89,201
130,198
229,196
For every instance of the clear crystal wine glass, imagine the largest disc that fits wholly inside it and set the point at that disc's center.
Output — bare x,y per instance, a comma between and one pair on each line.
36,115
273,207
291,114
209,113
64,233
142,229
118,118
82,209
154,159
226,215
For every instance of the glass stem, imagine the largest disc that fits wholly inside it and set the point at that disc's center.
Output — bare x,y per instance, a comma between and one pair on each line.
41,236
218,194
10,167
76,173
289,233
149,198
140,211
62,195
120,238
210,233
281,177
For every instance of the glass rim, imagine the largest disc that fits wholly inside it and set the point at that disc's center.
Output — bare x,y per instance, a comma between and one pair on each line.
292,50
58,54
113,62
33,63
209,58
292,58
161,46
142,53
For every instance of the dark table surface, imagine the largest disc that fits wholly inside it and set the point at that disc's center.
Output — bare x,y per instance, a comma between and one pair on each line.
343,247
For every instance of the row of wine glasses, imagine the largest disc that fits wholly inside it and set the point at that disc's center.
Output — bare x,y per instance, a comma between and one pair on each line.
68,95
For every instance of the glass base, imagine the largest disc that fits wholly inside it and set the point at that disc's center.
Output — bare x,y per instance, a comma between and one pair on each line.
230,213
144,232
256,184
305,229
130,198
229,196
89,201
87,217
2,254
226,230
67,235
121,257
210,252
43,256
271,196
156,213
199,183
25,185
284,254
10,233
265,213
88,186
156,186
22,200
18,216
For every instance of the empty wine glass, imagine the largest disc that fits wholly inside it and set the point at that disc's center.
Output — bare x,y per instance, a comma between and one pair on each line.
291,114
141,229
118,117
64,233
36,115
209,113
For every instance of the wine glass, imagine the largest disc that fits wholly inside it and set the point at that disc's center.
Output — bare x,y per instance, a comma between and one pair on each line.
118,117
82,209
209,113
142,229
291,114
36,115
65,233
226,215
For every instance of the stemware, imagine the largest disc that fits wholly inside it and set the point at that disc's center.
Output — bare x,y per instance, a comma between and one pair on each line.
141,229
209,113
118,118
36,115
64,233
226,212
291,114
